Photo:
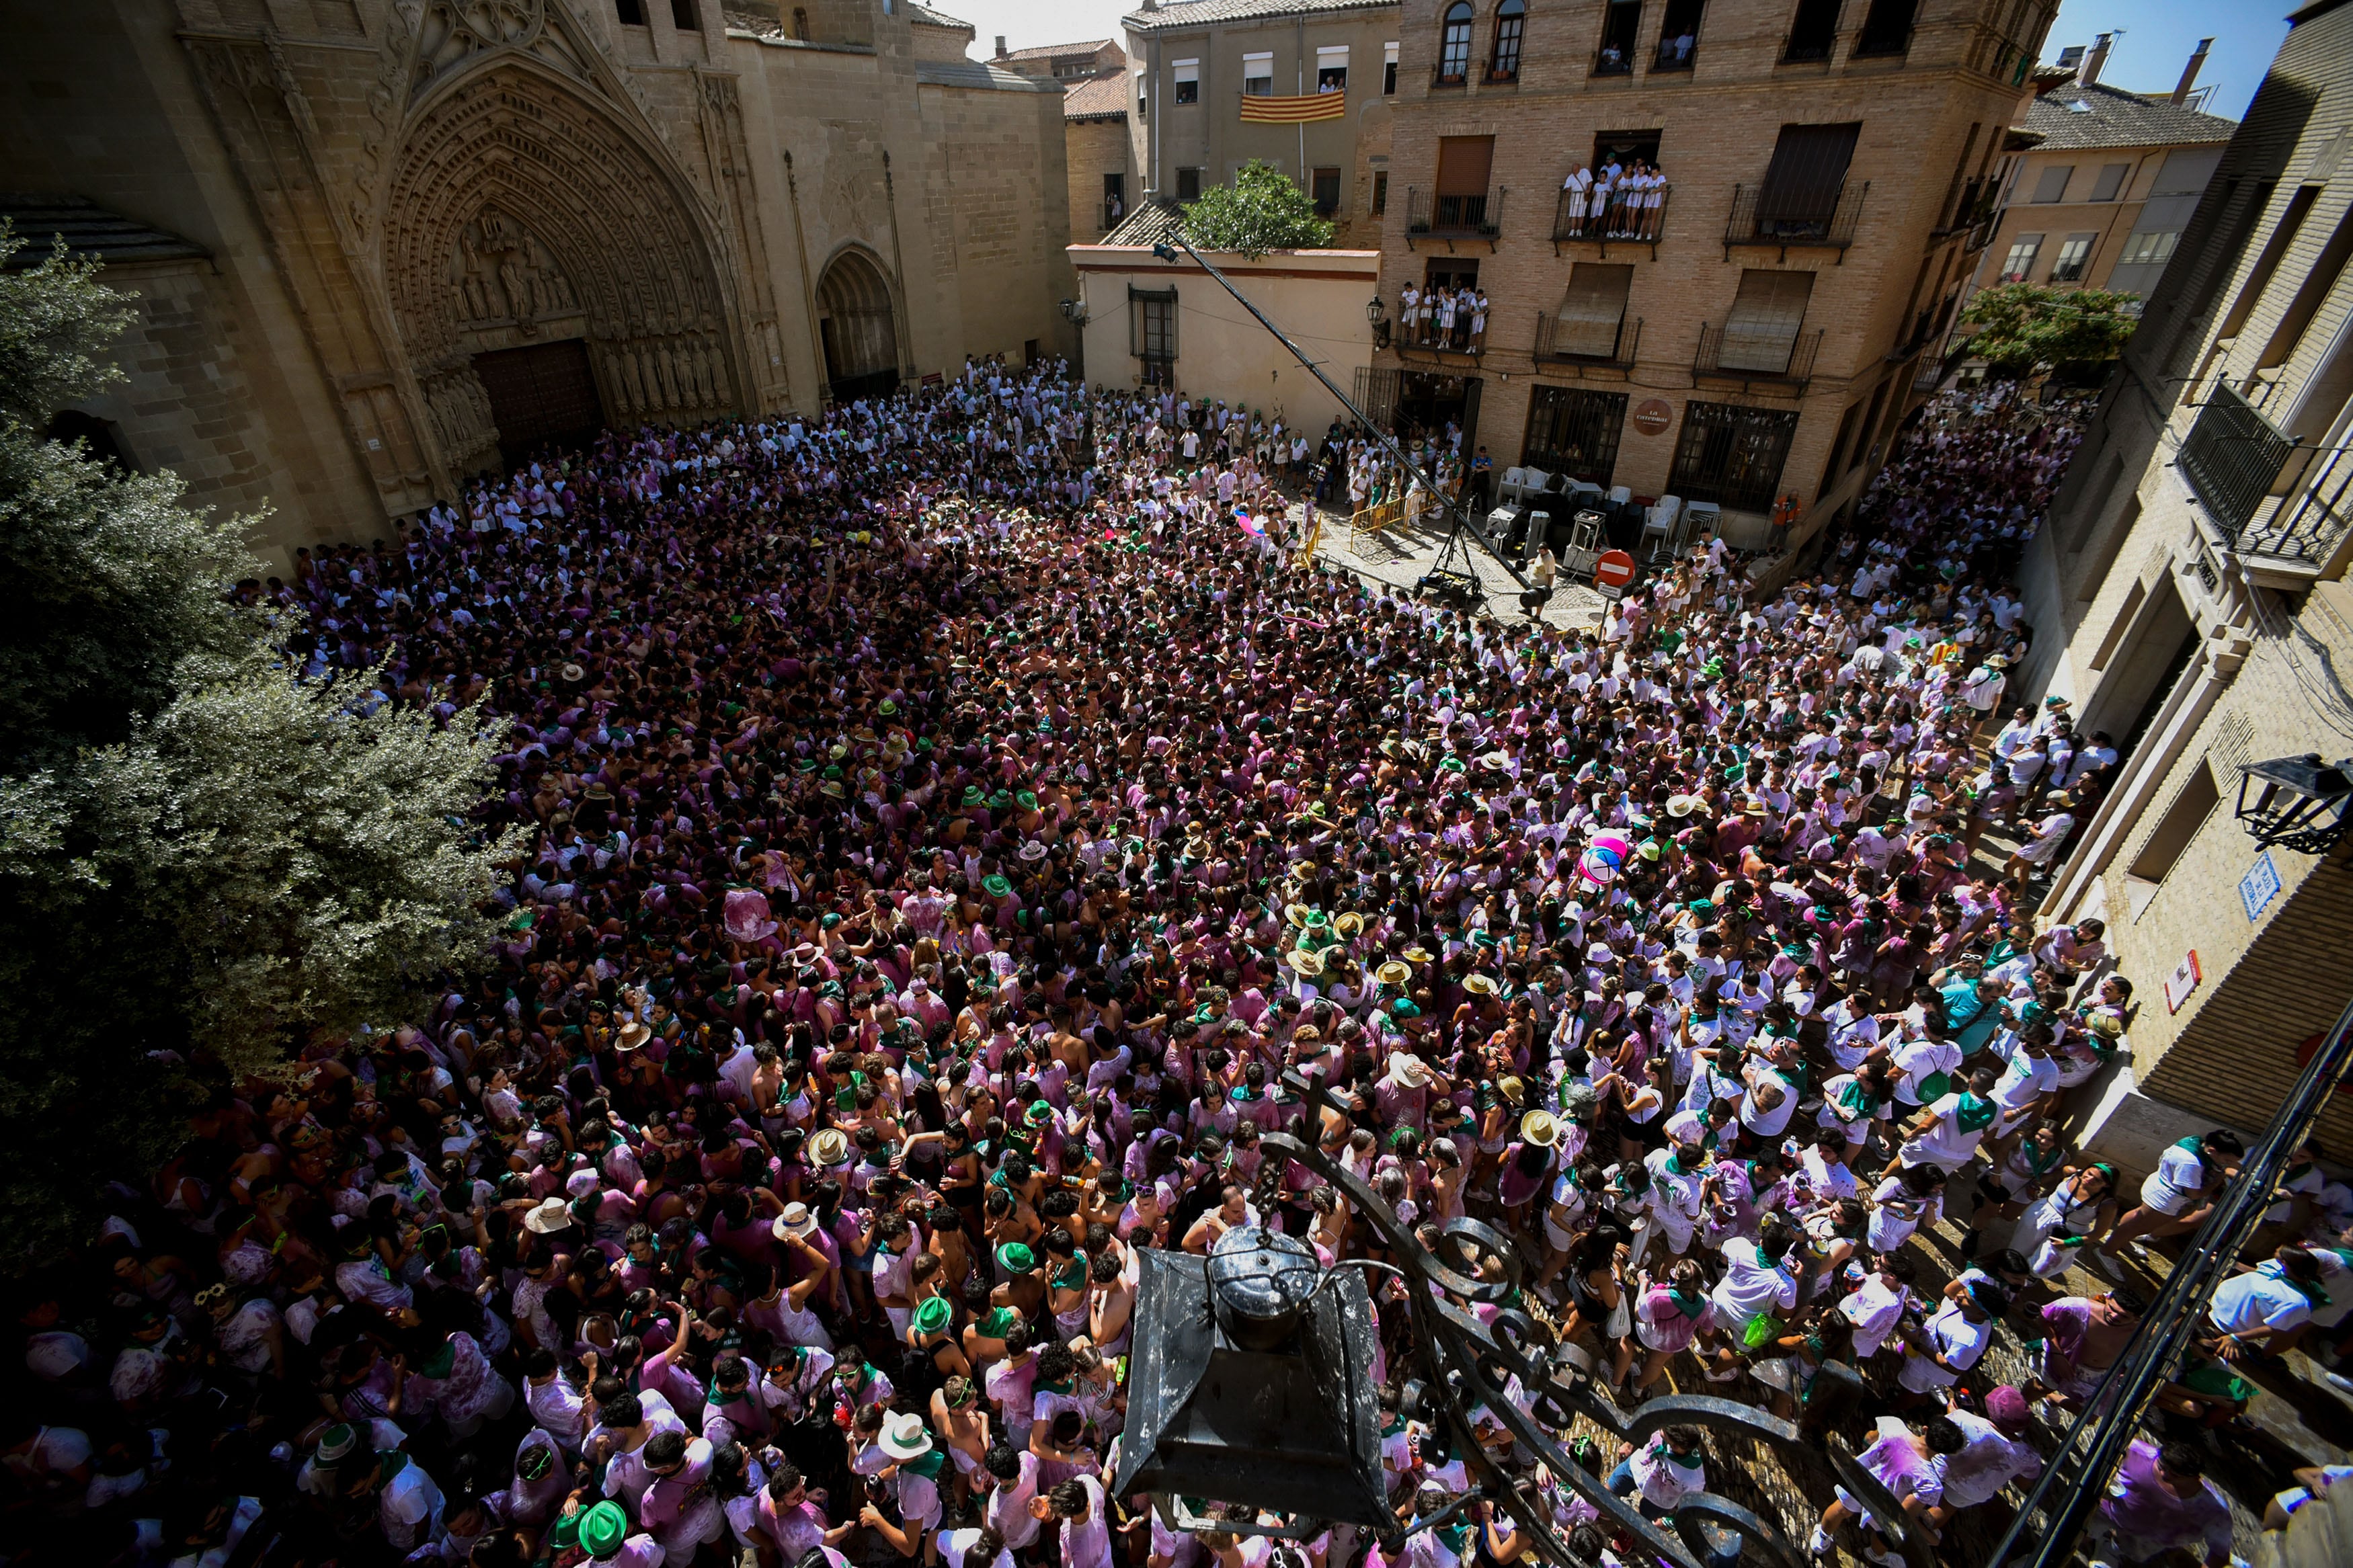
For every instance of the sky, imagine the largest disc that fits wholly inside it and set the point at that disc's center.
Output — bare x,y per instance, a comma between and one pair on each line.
2154,36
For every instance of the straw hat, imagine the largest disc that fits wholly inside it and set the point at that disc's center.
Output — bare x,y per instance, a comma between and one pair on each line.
830,1149
1539,1129
1394,972
1309,965
905,1436
1683,805
1417,955
1033,850
1349,923
1408,1072
547,1216
796,1220
1297,914
633,1037
1479,984
1512,1088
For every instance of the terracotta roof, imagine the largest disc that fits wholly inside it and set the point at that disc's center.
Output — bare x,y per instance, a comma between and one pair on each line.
2105,116
1183,14
923,16
977,74
1045,51
1096,97
88,230
1155,219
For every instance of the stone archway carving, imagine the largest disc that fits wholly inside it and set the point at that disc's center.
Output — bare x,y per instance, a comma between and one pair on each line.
859,324
520,210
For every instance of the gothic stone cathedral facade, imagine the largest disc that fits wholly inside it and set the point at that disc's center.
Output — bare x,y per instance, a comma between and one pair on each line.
382,244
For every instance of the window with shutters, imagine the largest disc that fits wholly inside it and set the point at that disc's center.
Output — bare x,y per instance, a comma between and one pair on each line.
1592,310
2074,258
2148,247
1187,74
1762,328
2051,185
1799,197
1332,69
1388,70
2110,183
1257,75
2018,265
1464,164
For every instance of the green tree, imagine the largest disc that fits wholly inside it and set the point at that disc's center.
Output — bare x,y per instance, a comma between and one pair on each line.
206,857
1262,210
2024,326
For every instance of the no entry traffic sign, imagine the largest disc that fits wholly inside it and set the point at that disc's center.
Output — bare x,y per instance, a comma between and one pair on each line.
1612,570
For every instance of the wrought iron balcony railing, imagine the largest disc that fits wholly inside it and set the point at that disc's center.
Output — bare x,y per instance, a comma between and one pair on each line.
1761,215
1627,212
1585,341
2269,494
1481,215
1726,351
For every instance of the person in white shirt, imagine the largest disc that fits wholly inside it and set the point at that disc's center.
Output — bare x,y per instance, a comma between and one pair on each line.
2174,1198
1940,1351
2266,1308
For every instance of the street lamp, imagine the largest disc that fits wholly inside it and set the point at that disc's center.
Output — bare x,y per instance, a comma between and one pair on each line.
2301,803
1377,314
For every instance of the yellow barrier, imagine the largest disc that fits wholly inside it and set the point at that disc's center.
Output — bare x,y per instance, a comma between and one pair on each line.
1373,519
1314,535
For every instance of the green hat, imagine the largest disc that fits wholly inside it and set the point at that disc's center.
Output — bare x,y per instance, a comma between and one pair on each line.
933,1315
1039,1113
1026,801
999,1324
972,794
1016,1259
996,887
603,1529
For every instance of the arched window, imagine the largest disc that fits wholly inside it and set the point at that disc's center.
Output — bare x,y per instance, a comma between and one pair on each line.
1511,21
1454,43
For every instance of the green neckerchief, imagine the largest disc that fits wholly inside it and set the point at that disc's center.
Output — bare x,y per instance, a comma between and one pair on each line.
1973,1114
927,1466
1690,1304
1857,1096
2039,1163
2275,1270
1675,1163
2294,1171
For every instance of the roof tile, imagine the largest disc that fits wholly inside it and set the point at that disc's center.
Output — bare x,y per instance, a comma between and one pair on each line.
2110,117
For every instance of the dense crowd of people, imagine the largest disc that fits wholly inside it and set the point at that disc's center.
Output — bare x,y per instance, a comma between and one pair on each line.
959,829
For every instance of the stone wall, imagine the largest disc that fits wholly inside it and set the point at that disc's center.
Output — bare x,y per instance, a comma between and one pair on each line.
389,188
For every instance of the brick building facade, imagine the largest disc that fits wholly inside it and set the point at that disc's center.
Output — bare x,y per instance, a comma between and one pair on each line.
2189,597
1760,330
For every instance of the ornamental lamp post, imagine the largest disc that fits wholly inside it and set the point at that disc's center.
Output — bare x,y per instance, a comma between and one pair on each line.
2295,802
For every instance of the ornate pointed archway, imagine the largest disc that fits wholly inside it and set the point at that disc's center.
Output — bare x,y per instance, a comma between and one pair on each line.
520,211
859,326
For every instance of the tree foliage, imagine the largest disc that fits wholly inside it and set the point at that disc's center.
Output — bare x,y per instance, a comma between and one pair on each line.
1262,210
206,857
2025,325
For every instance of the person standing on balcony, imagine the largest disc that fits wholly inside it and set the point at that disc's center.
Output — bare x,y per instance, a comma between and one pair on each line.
1478,320
1579,189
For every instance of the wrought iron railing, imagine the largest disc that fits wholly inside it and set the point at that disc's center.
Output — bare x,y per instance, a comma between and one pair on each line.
1481,215
1626,212
1764,215
2312,523
1753,356
2232,458
2044,1533
1585,341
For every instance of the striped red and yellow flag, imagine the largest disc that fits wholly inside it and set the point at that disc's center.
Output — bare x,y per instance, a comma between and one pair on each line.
1292,110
